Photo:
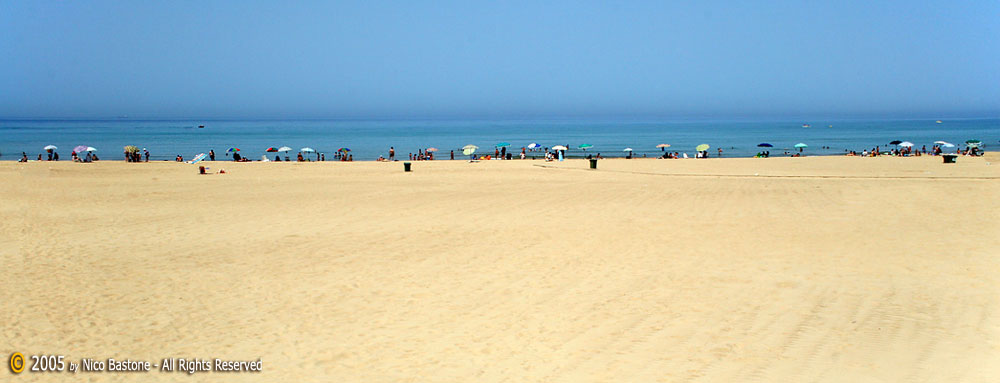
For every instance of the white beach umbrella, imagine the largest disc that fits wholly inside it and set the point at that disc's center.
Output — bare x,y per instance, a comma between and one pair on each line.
307,150
627,150
906,144
559,147
940,142
532,145
284,149
948,145
50,147
91,149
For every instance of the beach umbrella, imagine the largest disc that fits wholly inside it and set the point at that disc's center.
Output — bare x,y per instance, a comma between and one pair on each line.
585,146
906,144
702,147
131,149
200,157
232,150
973,142
307,150
469,149
503,144
429,150
80,149
91,149
533,146
764,145
50,147
559,147
661,146
344,150
801,145
948,145
896,142
627,150
284,149
271,150
940,142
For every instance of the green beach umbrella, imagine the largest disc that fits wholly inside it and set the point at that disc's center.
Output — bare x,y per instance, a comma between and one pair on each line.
131,149
702,147
469,149
585,146
801,145
503,144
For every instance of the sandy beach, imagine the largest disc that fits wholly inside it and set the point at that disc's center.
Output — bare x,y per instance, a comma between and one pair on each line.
832,269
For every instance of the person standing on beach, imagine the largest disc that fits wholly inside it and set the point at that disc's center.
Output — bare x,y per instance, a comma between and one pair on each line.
55,156
145,153
720,152
392,153
211,155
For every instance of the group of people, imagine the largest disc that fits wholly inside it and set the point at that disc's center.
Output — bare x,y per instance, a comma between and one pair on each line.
135,156
935,150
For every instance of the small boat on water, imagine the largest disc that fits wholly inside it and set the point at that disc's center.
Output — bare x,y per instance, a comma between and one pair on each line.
201,126
938,121
806,126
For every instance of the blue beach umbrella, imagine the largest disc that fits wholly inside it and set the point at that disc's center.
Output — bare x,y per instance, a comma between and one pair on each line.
764,145
586,146
503,145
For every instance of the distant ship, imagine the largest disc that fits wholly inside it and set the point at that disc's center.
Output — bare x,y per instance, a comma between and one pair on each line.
201,126
938,121
829,126
806,126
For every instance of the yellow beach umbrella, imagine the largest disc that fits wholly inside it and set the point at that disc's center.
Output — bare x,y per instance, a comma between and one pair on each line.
702,147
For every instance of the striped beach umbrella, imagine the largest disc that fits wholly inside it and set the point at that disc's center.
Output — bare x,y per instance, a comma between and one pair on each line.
271,150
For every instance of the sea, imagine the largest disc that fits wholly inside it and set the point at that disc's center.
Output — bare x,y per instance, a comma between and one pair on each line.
368,139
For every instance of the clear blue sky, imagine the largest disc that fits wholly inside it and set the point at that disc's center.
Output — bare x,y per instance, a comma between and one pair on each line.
499,59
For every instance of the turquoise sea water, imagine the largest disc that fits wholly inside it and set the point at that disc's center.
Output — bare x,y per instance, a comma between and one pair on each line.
369,139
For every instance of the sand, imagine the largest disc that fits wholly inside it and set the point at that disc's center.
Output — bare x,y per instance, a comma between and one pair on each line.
782,269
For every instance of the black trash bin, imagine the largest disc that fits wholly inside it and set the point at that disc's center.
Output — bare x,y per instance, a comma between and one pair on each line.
949,158
406,166
593,163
